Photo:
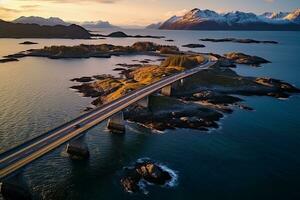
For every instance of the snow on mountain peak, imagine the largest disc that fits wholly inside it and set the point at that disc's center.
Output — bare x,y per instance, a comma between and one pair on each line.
240,17
201,15
294,16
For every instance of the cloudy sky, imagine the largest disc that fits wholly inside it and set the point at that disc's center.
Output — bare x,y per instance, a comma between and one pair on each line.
131,12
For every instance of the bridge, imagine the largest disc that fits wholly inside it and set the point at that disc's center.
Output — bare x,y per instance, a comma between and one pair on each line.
12,160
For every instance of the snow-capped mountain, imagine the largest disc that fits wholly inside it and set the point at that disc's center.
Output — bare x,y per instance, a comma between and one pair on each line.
275,15
51,21
294,16
197,19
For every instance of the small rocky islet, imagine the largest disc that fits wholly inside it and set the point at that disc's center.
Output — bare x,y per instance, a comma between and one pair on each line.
120,34
28,43
235,40
144,170
193,46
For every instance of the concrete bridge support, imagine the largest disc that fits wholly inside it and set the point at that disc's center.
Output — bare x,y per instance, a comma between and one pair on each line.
144,102
116,123
15,188
77,149
169,89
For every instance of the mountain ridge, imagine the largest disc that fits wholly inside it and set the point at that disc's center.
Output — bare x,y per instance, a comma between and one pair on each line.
53,21
197,19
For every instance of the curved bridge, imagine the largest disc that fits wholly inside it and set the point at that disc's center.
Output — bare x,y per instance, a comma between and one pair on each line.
20,156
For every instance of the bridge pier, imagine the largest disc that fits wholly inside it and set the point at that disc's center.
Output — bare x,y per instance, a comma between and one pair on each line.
144,102
15,188
169,89
77,149
116,123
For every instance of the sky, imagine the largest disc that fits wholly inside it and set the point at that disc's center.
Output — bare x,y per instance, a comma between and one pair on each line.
132,12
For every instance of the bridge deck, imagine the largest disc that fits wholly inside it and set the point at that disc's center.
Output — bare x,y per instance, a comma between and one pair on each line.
20,156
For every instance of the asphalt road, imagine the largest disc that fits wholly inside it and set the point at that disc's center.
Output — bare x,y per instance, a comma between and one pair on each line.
22,155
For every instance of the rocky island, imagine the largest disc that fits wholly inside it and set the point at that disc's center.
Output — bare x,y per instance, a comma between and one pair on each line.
97,51
120,34
28,43
194,45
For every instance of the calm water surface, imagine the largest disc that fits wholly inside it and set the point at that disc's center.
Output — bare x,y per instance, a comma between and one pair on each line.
254,155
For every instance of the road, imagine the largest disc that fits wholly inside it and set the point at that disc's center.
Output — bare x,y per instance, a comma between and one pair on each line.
22,155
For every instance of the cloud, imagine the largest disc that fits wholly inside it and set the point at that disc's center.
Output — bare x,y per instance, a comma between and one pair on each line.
6,13
78,1
269,1
177,13
8,10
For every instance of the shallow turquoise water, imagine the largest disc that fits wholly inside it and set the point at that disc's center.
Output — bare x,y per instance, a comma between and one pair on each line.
253,154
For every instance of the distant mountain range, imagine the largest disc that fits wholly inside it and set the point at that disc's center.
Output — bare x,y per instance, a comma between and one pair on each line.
197,19
97,24
53,21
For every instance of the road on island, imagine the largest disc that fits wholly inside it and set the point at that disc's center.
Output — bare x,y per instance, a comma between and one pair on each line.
20,156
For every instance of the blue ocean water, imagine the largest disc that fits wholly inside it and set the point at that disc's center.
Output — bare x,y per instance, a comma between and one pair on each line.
254,155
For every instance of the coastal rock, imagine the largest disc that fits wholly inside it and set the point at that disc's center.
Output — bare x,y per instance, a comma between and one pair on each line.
119,69
170,113
240,58
152,173
83,79
129,65
144,170
130,181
